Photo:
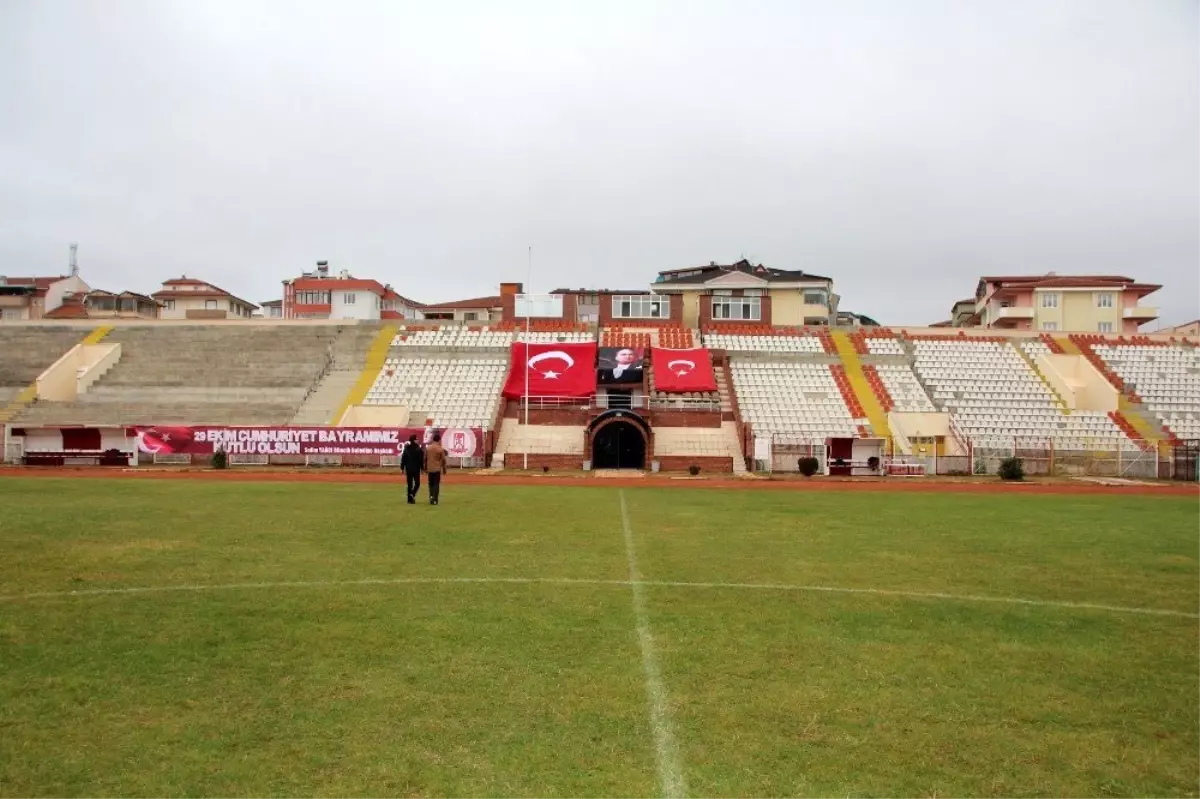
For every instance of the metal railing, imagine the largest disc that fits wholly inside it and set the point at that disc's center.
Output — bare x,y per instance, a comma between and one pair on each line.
624,403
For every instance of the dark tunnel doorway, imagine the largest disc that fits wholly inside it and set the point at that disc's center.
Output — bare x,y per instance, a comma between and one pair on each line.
619,445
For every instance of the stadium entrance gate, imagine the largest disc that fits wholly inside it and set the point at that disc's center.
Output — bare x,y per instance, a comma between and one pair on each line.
619,440
1186,461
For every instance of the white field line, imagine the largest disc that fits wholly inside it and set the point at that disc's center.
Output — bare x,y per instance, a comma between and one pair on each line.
670,773
826,589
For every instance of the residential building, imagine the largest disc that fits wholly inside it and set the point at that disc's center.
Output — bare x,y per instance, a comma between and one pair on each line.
1191,328
962,313
851,319
26,298
188,298
271,309
1065,303
746,292
100,304
318,295
597,306
478,309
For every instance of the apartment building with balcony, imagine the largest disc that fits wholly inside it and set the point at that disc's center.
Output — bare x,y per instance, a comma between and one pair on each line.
1054,303
745,292
29,298
320,295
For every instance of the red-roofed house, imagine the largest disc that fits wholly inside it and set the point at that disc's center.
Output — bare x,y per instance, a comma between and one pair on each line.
100,304
317,295
1063,303
188,298
478,309
1191,328
24,298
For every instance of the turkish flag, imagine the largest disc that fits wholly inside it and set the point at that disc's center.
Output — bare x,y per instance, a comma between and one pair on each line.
677,371
553,370
167,440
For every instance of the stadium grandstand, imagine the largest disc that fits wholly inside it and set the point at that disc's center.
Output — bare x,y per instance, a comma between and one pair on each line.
727,388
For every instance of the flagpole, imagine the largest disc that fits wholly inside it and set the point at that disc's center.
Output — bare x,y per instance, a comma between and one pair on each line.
528,281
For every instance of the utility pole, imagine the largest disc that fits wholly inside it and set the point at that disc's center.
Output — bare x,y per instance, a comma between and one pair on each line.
528,281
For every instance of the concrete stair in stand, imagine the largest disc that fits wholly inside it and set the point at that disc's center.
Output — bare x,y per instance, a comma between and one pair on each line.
539,439
711,442
348,359
26,352
200,374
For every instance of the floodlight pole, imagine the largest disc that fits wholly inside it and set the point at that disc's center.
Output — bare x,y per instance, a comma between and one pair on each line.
528,280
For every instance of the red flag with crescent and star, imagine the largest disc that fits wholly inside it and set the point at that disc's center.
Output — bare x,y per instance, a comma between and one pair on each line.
552,370
678,371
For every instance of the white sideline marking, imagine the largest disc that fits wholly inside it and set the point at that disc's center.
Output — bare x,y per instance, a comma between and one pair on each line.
670,773
825,589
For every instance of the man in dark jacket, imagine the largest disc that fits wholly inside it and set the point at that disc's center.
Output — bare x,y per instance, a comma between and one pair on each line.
435,466
412,461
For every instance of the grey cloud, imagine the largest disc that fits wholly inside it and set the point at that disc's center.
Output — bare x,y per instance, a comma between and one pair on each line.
902,148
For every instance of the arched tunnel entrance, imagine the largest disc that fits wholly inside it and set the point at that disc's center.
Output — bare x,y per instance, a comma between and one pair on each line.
619,440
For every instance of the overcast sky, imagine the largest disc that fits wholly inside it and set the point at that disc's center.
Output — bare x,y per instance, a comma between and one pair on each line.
901,147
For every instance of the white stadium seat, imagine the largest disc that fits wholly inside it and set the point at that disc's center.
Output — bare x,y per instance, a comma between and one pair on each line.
997,398
766,344
903,386
1166,378
455,392
792,400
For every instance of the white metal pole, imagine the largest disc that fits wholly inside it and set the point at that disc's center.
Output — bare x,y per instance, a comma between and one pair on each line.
528,280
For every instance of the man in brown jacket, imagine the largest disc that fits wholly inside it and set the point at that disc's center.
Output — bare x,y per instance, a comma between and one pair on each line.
435,467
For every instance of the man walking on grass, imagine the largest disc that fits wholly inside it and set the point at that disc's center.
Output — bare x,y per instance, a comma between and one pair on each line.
435,467
412,461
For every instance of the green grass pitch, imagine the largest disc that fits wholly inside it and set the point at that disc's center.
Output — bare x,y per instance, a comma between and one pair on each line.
327,639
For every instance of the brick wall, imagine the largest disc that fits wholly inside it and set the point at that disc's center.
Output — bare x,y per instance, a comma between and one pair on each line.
709,464
555,416
685,418
508,301
605,314
515,460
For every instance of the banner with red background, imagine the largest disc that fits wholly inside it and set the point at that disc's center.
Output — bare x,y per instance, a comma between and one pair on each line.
678,371
204,440
552,370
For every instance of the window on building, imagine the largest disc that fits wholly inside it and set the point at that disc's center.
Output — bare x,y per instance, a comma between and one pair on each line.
722,292
349,298
740,308
752,293
1050,300
210,305
816,298
1105,327
1104,300
470,316
1049,325
312,297
170,305
639,306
